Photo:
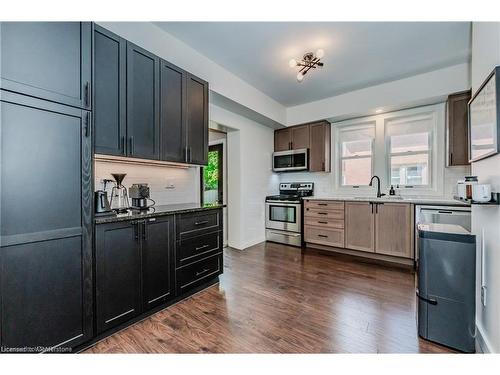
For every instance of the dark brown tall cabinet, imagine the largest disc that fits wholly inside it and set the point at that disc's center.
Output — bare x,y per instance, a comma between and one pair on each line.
457,137
45,131
147,107
313,136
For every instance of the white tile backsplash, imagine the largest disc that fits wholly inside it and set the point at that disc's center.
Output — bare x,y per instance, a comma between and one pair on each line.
168,185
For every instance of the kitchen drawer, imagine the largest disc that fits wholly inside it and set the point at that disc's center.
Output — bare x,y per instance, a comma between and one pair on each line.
325,205
195,274
322,222
193,248
324,213
328,237
196,223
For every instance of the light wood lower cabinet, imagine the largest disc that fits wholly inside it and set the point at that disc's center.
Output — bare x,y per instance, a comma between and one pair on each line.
393,231
324,236
373,227
324,223
359,226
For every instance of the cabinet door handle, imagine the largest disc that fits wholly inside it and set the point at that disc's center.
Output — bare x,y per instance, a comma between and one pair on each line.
371,204
136,229
86,94
144,230
122,147
87,124
322,236
201,222
202,272
201,247
291,145
131,144
190,155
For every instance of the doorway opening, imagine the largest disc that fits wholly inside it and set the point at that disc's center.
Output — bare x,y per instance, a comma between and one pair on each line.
212,176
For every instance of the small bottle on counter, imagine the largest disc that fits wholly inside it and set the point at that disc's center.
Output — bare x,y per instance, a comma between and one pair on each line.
392,191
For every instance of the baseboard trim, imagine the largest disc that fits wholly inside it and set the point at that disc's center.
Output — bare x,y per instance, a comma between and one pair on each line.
482,344
372,256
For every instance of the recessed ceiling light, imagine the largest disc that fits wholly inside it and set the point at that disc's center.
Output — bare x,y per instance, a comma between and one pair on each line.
378,110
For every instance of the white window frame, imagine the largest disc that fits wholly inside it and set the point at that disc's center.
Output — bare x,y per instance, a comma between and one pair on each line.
430,152
353,126
381,152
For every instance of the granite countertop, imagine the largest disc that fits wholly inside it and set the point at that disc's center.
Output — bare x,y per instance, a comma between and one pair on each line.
387,199
156,211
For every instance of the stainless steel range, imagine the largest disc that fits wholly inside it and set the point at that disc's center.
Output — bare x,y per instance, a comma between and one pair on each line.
284,213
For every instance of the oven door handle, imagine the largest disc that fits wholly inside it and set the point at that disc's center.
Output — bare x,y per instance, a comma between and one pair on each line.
284,203
289,234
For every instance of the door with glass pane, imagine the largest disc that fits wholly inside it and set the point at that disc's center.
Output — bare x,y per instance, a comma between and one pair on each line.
212,176
283,216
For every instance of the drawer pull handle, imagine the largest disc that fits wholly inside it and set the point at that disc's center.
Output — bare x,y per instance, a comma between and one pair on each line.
201,247
322,235
322,213
322,222
201,222
202,272
322,204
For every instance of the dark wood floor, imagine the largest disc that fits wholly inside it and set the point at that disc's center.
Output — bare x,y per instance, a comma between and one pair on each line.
275,299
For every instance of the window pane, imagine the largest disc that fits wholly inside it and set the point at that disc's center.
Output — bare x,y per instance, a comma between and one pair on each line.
410,169
357,148
410,142
356,171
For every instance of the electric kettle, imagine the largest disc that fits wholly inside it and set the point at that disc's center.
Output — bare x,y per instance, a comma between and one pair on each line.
101,203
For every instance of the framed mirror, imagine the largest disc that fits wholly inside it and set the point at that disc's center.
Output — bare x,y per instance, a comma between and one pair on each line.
484,116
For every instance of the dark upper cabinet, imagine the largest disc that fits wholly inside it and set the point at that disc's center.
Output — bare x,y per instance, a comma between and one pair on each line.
457,139
157,260
45,252
172,113
146,107
283,139
118,273
292,138
197,120
47,60
300,137
313,136
320,147
143,88
110,53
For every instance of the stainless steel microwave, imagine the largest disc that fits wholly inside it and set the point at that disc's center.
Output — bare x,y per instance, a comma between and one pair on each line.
291,160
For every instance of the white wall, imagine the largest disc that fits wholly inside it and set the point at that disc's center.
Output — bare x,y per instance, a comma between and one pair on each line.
427,88
149,36
167,185
249,176
445,179
486,220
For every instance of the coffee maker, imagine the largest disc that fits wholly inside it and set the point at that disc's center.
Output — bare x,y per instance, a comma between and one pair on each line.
139,193
119,196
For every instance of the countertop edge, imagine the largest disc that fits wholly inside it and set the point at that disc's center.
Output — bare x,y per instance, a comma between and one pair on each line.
422,201
116,219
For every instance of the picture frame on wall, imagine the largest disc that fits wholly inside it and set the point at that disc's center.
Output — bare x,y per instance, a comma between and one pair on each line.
484,118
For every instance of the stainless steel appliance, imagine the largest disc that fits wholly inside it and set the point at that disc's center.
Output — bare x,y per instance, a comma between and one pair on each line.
457,215
291,160
119,196
139,193
101,202
284,213
446,285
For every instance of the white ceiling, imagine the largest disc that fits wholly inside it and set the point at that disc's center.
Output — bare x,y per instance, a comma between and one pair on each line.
357,54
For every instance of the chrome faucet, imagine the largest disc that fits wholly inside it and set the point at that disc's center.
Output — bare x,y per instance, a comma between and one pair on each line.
379,194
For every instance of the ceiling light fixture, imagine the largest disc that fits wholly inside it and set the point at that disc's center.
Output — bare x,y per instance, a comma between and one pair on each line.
309,61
